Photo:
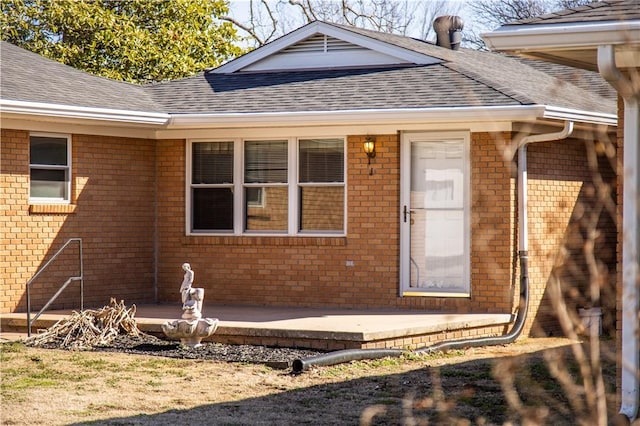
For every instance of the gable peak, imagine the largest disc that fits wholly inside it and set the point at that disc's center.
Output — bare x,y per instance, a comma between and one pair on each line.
320,45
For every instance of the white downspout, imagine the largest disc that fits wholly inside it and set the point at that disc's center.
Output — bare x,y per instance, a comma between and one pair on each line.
523,240
629,392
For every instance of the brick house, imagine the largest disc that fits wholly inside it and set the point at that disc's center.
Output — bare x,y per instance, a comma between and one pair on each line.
255,173
603,37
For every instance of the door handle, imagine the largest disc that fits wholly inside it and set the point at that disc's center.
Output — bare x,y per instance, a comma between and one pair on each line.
407,212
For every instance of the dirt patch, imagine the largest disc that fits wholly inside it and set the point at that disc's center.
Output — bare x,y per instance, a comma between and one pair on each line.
487,386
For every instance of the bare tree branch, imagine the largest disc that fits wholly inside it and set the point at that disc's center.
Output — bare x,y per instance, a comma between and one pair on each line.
248,29
305,9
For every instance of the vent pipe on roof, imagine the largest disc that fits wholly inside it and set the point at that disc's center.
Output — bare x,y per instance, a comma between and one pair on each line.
448,31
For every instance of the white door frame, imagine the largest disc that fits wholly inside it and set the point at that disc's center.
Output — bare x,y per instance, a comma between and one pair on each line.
405,214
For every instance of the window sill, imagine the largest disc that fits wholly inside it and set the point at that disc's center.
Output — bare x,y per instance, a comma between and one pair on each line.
52,208
435,294
264,241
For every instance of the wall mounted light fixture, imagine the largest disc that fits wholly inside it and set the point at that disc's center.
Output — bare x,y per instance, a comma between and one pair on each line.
369,147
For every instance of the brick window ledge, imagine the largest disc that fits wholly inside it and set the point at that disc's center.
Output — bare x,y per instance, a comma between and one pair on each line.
52,208
264,241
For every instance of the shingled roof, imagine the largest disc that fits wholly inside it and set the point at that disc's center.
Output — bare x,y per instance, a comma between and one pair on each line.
458,79
451,79
608,10
29,77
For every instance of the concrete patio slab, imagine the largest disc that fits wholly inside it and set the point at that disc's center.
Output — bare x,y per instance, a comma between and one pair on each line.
306,327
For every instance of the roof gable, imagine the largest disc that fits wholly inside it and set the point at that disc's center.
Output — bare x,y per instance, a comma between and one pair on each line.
321,45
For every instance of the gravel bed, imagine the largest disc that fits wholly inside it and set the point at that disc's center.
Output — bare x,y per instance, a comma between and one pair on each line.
146,344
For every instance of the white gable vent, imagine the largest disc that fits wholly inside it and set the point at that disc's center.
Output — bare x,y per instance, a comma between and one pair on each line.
323,51
321,43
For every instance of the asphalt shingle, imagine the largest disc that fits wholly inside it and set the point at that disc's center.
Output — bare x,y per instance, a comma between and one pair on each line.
464,78
326,90
608,10
26,76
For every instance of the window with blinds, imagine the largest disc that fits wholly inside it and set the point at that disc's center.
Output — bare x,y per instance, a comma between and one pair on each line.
265,161
321,160
212,163
285,186
212,186
266,194
321,184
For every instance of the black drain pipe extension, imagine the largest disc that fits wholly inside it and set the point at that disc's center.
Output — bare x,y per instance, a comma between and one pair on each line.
346,355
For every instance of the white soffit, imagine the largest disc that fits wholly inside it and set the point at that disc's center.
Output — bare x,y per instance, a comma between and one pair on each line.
321,45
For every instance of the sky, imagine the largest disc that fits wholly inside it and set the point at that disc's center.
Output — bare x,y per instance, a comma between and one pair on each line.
239,10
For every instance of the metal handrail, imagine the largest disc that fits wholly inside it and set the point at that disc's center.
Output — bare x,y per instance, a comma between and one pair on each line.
61,289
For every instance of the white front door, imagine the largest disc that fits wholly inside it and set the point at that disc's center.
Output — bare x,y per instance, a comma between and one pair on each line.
434,221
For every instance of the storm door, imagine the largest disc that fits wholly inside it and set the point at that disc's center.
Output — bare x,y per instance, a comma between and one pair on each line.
434,216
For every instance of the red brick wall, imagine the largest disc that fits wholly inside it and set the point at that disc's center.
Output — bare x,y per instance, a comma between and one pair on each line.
571,199
494,283
113,185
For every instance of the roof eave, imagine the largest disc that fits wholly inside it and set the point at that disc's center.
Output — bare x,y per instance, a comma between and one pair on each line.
549,37
591,117
386,116
399,116
38,109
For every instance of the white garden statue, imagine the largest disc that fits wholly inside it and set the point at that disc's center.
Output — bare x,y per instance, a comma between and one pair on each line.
192,328
191,297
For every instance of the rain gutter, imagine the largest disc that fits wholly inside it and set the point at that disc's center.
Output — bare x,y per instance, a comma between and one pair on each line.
630,394
398,116
79,112
549,37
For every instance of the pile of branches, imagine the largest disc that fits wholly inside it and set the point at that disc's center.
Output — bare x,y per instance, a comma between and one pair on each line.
89,328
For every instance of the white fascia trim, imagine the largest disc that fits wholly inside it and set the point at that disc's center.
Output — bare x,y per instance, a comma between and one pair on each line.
558,113
386,116
86,113
302,118
330,30
562,36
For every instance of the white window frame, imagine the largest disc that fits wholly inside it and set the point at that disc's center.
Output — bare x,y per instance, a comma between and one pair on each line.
67,167
293,228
